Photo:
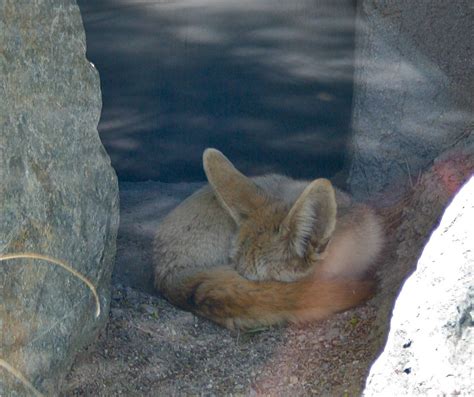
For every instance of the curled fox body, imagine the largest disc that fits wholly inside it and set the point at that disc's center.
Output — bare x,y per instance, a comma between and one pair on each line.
246,252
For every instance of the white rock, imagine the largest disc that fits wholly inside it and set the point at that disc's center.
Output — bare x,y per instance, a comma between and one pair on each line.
430,347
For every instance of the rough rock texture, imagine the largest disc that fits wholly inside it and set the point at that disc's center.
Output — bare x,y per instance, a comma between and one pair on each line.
413,142
429,349
58,194
414,90
409,225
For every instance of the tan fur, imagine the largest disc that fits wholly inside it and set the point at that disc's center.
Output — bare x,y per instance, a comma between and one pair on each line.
245,252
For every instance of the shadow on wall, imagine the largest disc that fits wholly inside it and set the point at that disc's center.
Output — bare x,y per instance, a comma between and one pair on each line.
413,96
269,83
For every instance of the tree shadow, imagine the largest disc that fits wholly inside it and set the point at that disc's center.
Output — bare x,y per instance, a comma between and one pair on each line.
268,83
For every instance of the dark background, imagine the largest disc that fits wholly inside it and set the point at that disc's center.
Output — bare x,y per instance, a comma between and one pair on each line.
269,83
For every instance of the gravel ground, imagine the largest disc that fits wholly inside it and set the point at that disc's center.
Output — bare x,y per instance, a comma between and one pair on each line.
150,348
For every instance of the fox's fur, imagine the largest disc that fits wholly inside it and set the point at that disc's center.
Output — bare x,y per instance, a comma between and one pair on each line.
246,252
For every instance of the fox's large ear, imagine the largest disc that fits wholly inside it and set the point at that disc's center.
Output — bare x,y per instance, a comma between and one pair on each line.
312,219
236,193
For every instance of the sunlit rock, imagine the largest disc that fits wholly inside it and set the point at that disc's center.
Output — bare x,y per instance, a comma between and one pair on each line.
430,346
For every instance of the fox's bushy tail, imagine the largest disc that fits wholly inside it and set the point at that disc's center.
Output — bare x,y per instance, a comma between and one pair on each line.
227,298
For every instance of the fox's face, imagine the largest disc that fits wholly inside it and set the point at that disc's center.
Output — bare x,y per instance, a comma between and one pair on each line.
275,241
262,249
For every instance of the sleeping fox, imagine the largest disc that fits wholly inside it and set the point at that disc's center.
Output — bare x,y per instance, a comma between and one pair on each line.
249,252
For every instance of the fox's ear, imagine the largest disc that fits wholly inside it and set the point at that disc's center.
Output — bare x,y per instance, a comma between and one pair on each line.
236,193
312,219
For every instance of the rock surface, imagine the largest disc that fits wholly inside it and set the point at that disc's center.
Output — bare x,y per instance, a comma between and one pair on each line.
413,92
413,143
58,196
429,349
409,226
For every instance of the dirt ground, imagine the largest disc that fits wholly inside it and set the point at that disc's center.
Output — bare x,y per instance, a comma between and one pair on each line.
150,348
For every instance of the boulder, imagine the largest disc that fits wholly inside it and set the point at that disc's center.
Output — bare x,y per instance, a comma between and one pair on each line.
429,349
58,197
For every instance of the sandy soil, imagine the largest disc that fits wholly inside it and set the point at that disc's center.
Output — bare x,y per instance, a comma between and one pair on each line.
150,348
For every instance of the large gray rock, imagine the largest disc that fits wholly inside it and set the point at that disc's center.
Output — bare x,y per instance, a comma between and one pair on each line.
58,195
414,90
429,349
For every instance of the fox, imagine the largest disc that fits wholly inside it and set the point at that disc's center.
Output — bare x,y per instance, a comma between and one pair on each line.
250,252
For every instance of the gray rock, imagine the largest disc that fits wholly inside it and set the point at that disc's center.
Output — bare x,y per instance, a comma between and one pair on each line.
414,91
429,349
58,195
